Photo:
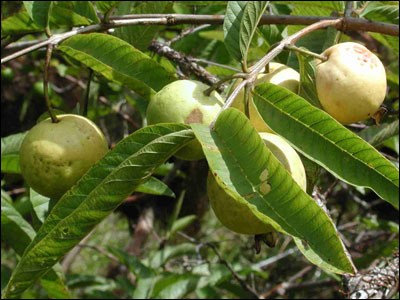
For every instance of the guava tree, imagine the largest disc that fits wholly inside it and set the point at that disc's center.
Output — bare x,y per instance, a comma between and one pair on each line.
208,128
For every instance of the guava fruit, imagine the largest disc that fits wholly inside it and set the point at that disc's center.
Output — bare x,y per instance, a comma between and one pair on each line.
183,101
351,84
236,213
54,156
278,74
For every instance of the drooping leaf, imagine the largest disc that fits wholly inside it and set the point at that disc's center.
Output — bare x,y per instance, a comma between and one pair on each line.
39,11
324,140
252,14
95,196
246,168
232,21
118,61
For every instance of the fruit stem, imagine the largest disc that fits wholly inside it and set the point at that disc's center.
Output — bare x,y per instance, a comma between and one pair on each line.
208,91
306,52
53,116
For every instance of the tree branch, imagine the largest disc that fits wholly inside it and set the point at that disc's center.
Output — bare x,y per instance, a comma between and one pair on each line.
175,19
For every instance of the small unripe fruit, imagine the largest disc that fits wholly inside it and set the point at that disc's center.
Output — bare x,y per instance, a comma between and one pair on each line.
351,84
235,214
183,101
54,156
278,74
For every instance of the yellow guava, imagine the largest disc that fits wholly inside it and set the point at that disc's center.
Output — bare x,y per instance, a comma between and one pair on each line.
54,156
235,213
183,101
278,74
351,84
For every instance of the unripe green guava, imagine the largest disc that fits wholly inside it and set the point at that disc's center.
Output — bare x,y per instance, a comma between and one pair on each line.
278,74
235,213
351,84
183,101
54,156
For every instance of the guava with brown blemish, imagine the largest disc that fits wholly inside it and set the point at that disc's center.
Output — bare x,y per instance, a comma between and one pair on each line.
351,83
183,101
54,156
235,212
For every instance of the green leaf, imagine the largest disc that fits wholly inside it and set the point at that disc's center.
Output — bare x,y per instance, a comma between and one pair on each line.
392,42
175,286
69,14
85,9
377,135
18,23
324,140
308,90
10,153
232,21
18,233
252,14
155,186
382,13
181,224
40,206
39,11
246,167
133,263
176,211
95,196
161,257
118,61
141,36
106,6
